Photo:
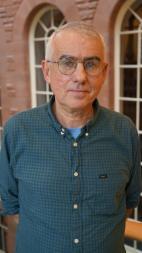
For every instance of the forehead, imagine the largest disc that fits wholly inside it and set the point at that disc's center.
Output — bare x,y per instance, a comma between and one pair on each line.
77,44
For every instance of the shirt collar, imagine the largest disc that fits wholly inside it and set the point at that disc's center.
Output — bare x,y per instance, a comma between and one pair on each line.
54,122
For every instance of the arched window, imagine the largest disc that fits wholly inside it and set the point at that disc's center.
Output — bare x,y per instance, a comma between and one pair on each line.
128,70
44,24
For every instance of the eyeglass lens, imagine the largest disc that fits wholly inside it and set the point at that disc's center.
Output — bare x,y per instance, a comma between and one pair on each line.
68,64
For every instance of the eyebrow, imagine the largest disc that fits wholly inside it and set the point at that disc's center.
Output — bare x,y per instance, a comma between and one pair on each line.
85,58
92,57
67,56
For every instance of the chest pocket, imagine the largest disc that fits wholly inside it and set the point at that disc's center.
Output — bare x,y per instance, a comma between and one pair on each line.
107,196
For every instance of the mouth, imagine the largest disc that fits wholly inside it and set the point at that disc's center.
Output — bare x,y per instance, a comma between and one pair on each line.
78,91
79,94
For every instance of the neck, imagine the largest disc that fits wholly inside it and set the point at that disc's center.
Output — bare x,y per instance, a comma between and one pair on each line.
72,118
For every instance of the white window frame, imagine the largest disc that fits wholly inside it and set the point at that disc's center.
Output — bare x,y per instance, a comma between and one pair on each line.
127,5
33,66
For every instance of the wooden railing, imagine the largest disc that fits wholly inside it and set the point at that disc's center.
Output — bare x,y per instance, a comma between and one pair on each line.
133,229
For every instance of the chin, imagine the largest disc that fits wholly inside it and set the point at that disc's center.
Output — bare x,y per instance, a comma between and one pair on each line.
78,106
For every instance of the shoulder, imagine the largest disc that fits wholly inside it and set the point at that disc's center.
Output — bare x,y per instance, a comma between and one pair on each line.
116,117
118,122
27,118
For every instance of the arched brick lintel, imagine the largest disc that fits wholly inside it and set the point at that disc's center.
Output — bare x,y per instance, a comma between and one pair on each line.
20,42
27,9
104,21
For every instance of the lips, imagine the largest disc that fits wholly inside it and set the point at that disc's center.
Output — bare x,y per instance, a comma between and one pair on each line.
78,91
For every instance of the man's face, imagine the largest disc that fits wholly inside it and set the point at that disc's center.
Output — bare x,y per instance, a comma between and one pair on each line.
78,90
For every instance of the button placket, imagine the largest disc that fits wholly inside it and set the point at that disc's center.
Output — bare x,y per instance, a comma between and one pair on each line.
76,222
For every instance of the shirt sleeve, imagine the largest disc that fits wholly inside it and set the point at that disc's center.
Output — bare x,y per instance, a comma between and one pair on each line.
134,186
8,184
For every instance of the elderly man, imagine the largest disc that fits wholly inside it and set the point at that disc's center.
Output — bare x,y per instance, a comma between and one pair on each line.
71,168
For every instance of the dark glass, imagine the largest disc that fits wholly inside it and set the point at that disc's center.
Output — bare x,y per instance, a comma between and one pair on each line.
128,49
141,82
129,108
50,31
58,18
40,81
141,116
39,51
46,18
141,45
137,7
130,22
39,32
41,99
141,145
128,87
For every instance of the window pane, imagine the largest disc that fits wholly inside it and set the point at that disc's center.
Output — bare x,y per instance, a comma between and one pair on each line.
140,209
130,22
41,99
140,116
46,18
50,31
137,6
128,83
128,49
39,51
58,17
141,83
40,81
129,109
39,32
141,144
141,44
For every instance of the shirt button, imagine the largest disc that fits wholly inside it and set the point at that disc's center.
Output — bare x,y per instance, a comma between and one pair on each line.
62,131
75,144
75,206
76,174
86,134
76,241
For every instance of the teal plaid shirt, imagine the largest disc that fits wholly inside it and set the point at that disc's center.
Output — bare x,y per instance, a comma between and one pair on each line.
71,194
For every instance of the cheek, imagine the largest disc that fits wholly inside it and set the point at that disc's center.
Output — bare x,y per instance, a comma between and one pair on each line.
59,81
96,87
58,84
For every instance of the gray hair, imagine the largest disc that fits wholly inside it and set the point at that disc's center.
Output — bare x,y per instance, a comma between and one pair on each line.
77,26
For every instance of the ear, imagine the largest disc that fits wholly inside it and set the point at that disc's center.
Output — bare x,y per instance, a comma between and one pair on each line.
45,70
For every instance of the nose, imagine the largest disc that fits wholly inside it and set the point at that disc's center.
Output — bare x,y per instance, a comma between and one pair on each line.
80,74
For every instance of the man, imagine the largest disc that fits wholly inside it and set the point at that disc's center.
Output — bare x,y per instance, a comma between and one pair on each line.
71,168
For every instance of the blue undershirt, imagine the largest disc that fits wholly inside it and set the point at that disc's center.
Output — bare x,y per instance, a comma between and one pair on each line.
75,132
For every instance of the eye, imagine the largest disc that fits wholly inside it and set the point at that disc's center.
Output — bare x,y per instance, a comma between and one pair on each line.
91,64
67,62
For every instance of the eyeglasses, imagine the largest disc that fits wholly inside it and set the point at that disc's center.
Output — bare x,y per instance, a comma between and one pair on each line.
68,64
